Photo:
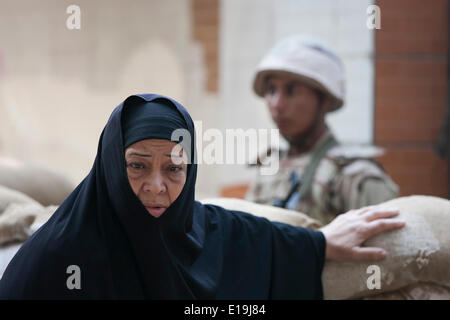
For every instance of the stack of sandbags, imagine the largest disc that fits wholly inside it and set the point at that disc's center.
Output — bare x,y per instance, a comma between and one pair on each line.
44,185
20,216
417,265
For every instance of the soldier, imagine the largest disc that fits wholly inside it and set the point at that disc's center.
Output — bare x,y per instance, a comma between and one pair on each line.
302,80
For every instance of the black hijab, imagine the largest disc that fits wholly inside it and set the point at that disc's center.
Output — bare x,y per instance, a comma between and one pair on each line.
192,251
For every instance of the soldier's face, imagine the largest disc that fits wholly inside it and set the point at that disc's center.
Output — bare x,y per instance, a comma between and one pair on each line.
292,104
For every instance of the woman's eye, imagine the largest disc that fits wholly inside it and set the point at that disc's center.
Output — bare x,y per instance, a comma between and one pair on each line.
134,165
174,168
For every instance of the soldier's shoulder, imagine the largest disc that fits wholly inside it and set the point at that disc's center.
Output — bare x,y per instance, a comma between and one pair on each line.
356,158
354,151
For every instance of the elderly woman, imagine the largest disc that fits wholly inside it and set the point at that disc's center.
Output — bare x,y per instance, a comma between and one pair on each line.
132,229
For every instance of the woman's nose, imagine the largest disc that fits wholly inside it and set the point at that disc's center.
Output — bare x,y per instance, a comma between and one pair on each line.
155,184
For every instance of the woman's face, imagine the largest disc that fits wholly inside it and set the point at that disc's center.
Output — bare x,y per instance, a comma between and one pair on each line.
156,176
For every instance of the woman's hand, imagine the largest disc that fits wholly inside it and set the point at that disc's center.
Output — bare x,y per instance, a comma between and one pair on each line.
348,231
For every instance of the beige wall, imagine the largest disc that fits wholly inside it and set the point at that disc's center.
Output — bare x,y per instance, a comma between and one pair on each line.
59,86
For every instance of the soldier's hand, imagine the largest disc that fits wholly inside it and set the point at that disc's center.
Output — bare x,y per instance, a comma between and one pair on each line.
345,234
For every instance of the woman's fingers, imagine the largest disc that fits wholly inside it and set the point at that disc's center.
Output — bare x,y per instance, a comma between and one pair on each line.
380,213
381,225
364,210
366,253
381,221
375,227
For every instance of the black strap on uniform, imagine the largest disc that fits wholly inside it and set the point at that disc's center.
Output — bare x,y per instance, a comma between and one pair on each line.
299,187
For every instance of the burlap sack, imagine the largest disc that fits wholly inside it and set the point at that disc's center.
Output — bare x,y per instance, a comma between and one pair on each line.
8,196
416,291
20,220
418,253
15,222
417,265
272,213
42,184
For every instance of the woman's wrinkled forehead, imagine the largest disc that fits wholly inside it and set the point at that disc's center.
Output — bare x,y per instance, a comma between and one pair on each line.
150,148
157,119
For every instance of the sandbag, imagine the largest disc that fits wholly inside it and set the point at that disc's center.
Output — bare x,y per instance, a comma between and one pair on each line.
46,186
271,213
20,217
15,222
418,260
417,253
416,291
8,196
20,220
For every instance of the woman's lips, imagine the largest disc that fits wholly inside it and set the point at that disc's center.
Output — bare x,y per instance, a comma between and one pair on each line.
155,211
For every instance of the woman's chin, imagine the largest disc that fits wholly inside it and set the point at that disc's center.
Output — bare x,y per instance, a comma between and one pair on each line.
156,211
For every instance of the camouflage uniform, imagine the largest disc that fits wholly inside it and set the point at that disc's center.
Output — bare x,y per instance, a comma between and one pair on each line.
345,178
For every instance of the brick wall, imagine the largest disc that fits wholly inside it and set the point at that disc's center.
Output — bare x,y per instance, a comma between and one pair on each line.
411,64
205,30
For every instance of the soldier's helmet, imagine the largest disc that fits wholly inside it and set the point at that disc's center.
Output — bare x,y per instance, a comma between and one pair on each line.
308,58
